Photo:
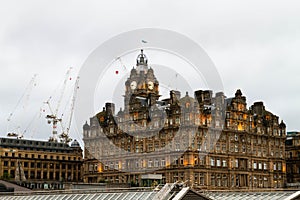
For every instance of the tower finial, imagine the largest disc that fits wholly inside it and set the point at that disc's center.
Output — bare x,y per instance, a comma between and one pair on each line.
141,59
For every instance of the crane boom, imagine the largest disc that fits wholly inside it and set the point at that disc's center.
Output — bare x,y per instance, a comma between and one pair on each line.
63,90
65,135
25,97
26,93
76,87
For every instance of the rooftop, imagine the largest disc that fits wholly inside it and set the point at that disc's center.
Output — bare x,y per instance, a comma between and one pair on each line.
36,145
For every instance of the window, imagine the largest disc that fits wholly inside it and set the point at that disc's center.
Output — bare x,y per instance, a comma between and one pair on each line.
163,163
150,163
236,148
156,163
201,160
223,148
212,162
254,165
265,166
228,123
201,179
228,115
224,163
279,166
177,146
259,165
236,138
212,180
181,161
244,149
187,117
137,164
217,147
218,162
236,163
177,120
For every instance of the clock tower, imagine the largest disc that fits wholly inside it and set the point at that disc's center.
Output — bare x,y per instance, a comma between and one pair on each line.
141,88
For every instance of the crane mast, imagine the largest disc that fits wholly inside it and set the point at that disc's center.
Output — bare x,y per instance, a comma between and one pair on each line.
65,134
52,118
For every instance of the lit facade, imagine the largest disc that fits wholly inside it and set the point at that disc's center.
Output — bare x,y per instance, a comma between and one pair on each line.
209,141
40,164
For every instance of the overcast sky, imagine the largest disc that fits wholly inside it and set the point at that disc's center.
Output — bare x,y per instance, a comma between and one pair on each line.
254,45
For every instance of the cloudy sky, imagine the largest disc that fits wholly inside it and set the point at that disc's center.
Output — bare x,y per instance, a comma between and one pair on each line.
254,45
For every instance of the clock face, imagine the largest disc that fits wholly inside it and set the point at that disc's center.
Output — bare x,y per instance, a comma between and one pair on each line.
150,85
133,85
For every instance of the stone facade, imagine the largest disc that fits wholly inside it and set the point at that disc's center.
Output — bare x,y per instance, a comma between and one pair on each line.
209,141
35,163
292,149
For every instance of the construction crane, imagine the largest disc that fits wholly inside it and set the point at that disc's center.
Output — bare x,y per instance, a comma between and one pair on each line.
122,64
64,136
23,99
52,118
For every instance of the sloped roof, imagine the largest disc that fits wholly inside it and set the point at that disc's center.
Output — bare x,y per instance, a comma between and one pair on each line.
277,195
94,196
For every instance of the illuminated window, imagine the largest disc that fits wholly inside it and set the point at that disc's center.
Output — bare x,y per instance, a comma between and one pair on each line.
254,165
236,163
236,148
265,166
212,162
224,163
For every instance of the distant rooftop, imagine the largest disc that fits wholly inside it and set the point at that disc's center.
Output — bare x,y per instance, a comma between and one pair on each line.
292,132
36,145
